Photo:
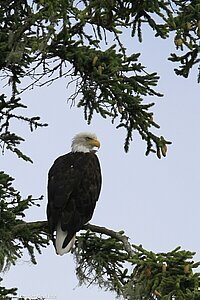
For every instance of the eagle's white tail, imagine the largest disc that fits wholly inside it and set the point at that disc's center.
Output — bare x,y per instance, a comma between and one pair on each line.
60,237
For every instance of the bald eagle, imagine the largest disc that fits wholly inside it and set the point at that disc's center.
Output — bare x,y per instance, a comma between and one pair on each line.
74,184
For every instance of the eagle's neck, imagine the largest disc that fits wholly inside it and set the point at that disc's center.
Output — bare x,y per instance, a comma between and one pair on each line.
80,148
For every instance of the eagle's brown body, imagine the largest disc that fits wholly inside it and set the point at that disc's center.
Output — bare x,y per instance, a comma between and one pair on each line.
74,185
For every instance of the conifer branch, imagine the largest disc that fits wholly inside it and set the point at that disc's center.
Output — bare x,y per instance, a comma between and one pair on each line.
118,235
103,261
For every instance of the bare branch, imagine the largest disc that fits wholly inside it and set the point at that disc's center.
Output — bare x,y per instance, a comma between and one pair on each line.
114,234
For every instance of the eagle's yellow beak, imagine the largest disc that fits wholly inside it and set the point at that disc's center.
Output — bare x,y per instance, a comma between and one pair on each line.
95,143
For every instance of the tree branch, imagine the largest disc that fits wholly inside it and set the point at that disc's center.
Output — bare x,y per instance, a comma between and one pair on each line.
40,225
43,226
103,261
114,234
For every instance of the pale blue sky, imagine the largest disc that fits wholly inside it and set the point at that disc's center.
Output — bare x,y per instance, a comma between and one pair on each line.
155,201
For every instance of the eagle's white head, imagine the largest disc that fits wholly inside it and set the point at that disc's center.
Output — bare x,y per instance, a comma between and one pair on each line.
85,142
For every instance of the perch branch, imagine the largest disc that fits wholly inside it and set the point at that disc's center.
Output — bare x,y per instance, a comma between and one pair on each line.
42,225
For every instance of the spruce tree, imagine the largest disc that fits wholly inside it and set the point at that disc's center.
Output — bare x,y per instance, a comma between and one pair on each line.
43,41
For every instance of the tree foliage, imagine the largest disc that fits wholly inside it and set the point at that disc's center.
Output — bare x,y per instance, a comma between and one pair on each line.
110,261
45,40
12,212
42,41
14,238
